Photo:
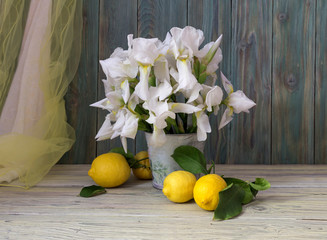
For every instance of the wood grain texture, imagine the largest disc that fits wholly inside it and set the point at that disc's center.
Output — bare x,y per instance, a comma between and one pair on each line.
82,91
321,84
155,19
293,81
295,207
251,73
117,20
224,27
213,18
275,51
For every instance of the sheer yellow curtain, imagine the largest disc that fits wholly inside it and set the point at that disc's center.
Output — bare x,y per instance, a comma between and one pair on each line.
12,18
33,146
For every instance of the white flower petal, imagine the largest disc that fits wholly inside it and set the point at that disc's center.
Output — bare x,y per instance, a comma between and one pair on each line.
107,86
158,137
106,131
213,65
115,99
125,90
120,121
130,68
145,51
161,70
156,107
214,97
227,84
152,118
186,80
160,121
183,108
202,52
192,39
124,143
203,126
185,42
161,92
130,127
240,102
193,93
119,66
226,118
104,104
142,88
211,55
132,102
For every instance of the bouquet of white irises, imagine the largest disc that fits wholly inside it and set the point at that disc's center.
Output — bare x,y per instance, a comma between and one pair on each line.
166,87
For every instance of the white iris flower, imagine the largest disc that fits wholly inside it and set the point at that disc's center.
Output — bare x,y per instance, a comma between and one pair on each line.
236,102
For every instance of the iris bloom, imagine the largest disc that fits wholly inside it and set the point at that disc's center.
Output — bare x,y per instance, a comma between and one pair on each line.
184,45
236,102
145,52
125,126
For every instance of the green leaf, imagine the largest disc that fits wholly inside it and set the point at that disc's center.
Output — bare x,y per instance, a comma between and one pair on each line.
260,184
171,123
233,180
121,151
196,67
230,202
203,75
129,156
144,126
190,159
152,78
92,191
254,192
193,127
248,195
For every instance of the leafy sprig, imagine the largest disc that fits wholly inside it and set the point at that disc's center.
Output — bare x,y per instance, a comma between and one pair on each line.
234,196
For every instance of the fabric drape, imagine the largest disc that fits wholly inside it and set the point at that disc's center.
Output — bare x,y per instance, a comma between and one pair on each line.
38,134
12,21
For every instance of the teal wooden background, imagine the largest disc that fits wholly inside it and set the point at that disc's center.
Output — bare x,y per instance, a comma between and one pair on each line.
276,51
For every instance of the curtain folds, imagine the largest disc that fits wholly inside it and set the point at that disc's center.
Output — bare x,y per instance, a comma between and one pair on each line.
38,135
12,21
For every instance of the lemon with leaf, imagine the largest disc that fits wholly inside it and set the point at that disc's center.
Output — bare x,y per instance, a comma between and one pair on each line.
206,191
142,169
110,170
178,186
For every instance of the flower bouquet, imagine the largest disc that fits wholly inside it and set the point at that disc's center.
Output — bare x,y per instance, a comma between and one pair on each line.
166,87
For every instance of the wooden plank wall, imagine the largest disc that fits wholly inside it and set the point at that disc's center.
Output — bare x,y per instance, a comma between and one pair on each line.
275,51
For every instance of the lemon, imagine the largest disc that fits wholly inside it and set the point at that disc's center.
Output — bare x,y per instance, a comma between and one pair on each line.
178,186
143,172
110,170
206,191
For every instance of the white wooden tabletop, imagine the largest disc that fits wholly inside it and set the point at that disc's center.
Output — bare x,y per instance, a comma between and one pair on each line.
295,207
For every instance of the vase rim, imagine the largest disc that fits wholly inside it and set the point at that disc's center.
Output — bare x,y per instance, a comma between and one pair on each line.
181,135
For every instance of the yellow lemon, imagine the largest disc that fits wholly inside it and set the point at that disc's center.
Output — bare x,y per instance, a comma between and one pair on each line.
144,171
110,170
178,186
206,191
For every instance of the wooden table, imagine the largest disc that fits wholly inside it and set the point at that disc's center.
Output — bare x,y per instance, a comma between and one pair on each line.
295,207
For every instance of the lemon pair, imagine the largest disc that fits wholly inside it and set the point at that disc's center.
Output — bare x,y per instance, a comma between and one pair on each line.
182,186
